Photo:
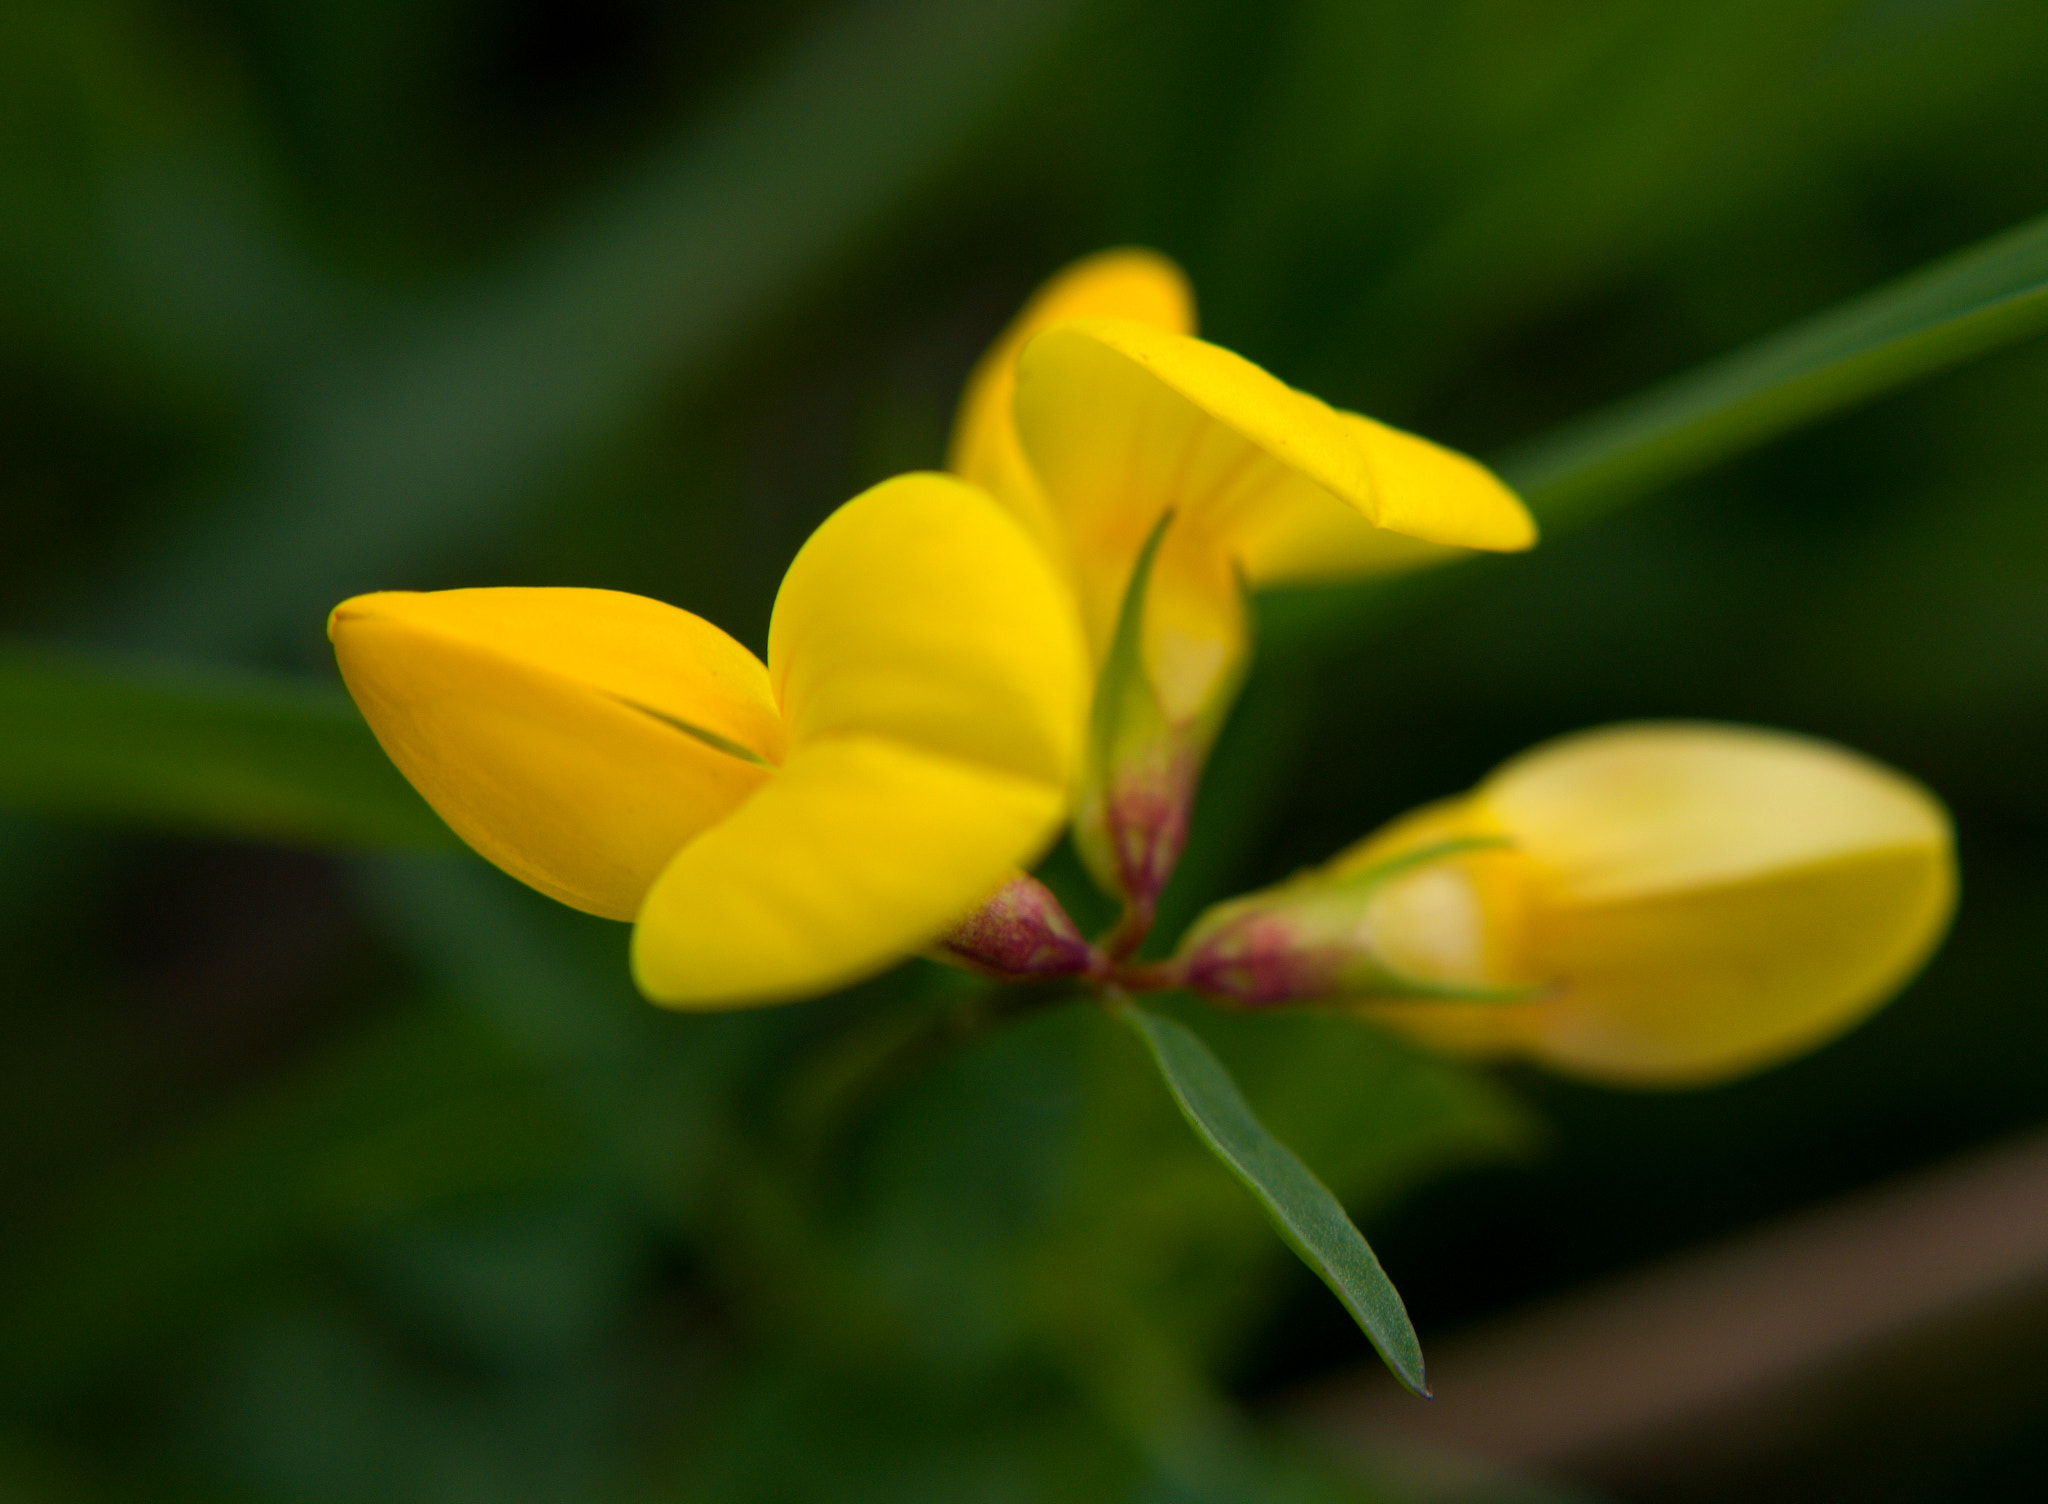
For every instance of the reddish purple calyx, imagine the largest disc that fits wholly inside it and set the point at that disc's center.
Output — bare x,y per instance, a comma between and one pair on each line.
1147,826
1258,960
1022,935
1151,830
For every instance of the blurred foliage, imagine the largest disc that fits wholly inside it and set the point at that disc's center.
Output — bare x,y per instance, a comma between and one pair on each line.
341,1177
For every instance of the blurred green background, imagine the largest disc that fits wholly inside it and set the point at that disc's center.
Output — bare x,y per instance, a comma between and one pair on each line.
338,1167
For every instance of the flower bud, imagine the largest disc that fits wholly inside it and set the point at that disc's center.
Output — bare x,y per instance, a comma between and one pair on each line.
1677,904
1021,934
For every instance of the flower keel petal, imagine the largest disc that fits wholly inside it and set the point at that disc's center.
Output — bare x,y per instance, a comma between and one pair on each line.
545,726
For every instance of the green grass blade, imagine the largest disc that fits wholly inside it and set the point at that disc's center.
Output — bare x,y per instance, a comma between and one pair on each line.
1301,1206
1974,301
238,754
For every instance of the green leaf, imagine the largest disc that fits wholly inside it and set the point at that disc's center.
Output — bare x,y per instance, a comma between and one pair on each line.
242,754
1307,1215
1981,298
1990,295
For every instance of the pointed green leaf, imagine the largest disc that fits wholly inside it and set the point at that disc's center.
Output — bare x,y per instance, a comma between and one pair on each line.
234,753
1968,303
1301,1206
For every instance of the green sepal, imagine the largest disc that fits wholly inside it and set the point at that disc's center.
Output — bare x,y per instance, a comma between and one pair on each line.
1310,1219
1377,874
1321,910
1143,765
1376,982
1126,714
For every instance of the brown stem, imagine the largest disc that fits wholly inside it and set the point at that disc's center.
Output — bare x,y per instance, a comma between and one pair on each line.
1122,941
1150,976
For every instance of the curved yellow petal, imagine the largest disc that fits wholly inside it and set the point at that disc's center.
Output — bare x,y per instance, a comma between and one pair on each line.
1701,986
1430,492
1321,539
1125,284
922,611
1628,812
1123,422
861,851
546,726
1422,491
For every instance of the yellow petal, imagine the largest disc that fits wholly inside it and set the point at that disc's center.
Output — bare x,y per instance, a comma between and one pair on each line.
1701,986
1422,492
1121,422
921,611
1125,284
859,852
1718,897
1196,631
1430,492
1460,921
1629,812
545,726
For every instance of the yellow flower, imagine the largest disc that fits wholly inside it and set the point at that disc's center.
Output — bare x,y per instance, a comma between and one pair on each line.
1095,415
1097,411
1675,903
772,830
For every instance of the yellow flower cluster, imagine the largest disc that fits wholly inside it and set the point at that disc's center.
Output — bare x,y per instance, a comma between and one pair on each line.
958,664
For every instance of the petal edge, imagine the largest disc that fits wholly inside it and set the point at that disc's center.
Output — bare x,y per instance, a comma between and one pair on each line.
860,852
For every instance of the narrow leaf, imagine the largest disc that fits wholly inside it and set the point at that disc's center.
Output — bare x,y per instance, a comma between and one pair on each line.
240,754
1971,302
1301,1206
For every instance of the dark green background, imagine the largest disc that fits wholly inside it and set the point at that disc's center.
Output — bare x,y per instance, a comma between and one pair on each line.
337,1167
